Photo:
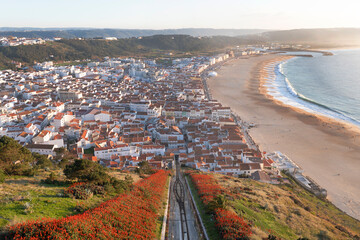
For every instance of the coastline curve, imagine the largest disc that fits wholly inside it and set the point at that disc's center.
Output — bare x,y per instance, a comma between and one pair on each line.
279,88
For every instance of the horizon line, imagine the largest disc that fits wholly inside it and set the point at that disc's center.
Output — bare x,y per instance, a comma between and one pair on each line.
182,28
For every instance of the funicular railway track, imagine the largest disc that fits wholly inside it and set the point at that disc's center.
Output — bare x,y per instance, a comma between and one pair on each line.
179,192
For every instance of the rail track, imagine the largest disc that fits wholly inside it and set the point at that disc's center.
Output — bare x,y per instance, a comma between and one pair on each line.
179,192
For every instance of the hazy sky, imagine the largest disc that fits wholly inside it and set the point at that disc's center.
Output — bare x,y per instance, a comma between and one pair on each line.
160,14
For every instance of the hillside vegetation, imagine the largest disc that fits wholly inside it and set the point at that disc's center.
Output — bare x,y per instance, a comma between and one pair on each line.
280,212
120,33
68,50
131,215
33,187
159,45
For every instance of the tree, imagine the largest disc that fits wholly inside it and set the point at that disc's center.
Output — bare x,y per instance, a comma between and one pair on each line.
42,161
86,170
59,153
2,176
144,168
62,164
60,150
14,158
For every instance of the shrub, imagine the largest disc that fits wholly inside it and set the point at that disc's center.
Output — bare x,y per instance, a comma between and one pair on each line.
79,191
84,191
323,235
51,179
207,187
95,189
14,158
230,225
81,207
42,161
2,176
128,216
63,163
272,237
212,195
220,201
144,168
86,170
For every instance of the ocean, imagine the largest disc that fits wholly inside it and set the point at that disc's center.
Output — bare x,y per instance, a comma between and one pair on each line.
326,85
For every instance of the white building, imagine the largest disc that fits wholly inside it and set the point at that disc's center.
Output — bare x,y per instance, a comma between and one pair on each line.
44,149
102,116
42,137
220,112
156,149
107,152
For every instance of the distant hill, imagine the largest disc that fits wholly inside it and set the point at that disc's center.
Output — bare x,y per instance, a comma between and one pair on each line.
20,29
72,49
327,37
120,33
316,37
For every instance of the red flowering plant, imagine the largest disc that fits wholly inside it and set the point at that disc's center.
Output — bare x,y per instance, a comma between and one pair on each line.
206,186
129,216
228,223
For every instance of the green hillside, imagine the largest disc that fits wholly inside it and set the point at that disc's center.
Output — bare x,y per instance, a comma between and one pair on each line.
119,33
285,211
71,49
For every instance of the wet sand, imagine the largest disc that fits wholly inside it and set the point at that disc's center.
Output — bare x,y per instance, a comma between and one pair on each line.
327,150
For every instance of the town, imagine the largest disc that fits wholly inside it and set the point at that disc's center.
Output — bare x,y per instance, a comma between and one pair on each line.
11,41
123,111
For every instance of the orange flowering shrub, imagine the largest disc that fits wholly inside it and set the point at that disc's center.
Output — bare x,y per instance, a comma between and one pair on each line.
129,216
206,186
229,224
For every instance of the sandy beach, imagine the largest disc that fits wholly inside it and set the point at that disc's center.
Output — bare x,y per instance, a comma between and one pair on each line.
327,150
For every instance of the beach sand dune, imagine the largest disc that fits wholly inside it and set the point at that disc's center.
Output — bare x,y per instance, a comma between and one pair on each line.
327,150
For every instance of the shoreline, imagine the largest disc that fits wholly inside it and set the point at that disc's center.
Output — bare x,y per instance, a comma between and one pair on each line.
263,89
325,148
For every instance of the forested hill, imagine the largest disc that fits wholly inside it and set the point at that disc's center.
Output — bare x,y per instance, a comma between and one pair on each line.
71,49
121,33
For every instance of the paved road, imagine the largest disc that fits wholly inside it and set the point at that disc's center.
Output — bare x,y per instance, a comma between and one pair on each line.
175,231
245,130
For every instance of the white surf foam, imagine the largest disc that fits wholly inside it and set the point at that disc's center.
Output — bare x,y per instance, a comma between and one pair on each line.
280,88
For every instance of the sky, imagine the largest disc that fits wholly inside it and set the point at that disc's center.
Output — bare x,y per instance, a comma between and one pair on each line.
165,14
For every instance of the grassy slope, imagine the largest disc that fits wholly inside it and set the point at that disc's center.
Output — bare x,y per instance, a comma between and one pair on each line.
287,211
207,220
162,210
47,201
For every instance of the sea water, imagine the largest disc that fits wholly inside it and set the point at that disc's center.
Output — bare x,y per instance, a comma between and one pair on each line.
326,85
